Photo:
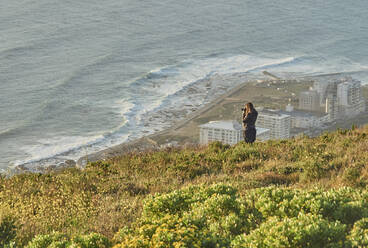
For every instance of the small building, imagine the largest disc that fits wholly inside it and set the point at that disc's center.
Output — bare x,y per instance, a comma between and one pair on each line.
228,132
278,123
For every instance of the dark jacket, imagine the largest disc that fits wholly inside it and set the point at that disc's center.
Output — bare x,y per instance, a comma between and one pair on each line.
249,122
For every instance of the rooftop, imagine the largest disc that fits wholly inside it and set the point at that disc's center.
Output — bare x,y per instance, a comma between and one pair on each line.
275,113
308,93
228,125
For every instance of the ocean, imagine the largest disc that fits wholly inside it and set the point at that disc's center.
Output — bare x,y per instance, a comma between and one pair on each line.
80,76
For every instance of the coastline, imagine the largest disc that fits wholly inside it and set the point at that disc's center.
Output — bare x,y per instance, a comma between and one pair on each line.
177,109
269,91
148,142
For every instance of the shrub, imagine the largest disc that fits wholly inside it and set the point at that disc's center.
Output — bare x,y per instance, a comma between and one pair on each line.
59,240
7,229
215,216
192,217
359,234
217,147
345,205
55,240
92,240
306,230
351,175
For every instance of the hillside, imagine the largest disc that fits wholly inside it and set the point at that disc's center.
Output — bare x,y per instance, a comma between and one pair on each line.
301,192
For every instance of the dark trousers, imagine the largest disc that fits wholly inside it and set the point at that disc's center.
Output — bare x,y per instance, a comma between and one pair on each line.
249,135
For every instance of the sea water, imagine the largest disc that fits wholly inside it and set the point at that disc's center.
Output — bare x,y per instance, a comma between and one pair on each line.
80,76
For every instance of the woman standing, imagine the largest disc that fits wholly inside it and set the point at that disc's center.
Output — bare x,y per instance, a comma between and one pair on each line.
249,121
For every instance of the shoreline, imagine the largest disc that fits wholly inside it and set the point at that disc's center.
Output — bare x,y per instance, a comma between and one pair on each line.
157,140
147,142
209,89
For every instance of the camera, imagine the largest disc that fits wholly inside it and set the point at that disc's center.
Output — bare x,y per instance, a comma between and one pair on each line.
243,109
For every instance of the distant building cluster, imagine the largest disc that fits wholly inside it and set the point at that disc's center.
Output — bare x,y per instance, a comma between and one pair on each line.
340,98
324,103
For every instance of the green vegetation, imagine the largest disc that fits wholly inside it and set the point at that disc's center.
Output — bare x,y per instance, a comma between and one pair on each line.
60,240
216,216
302,192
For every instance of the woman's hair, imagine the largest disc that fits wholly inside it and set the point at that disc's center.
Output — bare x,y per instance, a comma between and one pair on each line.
249,108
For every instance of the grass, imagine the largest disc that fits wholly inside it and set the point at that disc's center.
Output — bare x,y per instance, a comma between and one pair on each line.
107,196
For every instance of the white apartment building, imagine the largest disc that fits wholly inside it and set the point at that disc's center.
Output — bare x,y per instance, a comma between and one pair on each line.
309,100
279,124
228,132
349,93
350,99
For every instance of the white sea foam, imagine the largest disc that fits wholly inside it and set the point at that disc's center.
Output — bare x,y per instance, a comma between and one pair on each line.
48,148
181,75
308,65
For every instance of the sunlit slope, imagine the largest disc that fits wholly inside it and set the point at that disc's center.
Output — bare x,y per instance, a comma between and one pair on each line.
232,204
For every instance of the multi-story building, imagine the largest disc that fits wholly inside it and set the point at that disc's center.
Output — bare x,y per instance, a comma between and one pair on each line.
342,97
278,123
332,107
305,119
349,93
350,99
321,87
228,132
309,100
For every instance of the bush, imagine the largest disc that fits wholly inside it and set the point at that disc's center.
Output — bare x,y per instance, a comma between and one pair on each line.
216,216
359,234
192,217
7,229
306,230
55,240
351,176
59,240
92,240
345,205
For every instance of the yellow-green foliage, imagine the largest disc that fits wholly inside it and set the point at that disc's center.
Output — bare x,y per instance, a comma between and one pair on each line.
59,240
7,228
359,234
216,216
107,196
